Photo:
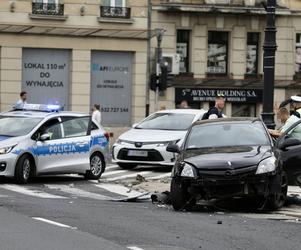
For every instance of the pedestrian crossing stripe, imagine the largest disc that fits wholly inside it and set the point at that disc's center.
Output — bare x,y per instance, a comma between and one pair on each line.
31,192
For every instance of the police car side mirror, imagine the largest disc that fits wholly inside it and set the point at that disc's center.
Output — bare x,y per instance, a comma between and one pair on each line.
134,125
44,137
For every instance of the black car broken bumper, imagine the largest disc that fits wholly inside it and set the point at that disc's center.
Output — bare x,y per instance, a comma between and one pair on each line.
210,187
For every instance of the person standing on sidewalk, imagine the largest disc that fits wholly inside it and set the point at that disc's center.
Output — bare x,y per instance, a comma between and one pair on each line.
22,101
96,115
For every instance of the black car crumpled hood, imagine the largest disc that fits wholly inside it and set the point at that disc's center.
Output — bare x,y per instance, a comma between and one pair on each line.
227,158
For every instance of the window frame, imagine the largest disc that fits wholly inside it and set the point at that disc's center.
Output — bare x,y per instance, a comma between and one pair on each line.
113,4
187,42
297,45
257,52
219,42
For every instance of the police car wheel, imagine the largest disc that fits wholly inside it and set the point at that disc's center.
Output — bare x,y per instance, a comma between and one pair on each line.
23,169
97,166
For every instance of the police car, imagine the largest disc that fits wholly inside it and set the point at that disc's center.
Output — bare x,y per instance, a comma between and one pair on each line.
41,139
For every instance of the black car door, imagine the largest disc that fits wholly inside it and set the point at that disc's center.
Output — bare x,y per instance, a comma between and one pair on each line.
289,148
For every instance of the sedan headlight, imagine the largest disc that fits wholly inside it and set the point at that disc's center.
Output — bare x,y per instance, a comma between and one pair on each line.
166,143
6,150
188,171
266,166
121,142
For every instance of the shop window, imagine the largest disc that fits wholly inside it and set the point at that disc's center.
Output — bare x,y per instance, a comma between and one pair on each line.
252,53
243,110
298,54
183,37
217,62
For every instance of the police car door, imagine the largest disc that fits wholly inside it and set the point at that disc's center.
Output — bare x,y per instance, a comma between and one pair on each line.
67,150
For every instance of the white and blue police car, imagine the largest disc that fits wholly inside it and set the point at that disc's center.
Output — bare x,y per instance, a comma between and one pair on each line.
42,140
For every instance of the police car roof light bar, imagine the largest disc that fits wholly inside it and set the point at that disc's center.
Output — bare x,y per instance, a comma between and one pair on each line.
40,107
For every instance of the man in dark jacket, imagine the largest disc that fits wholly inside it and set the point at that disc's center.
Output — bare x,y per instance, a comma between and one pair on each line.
216,111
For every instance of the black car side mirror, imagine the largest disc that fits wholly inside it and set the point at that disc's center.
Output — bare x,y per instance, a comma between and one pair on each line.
173,148
290,142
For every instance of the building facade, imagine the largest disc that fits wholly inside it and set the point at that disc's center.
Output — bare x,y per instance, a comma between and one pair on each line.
76,53
220,50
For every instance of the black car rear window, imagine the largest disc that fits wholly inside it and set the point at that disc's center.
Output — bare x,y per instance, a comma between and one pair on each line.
227,135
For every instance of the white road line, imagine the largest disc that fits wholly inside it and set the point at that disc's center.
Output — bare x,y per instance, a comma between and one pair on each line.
114,172
78,192
112,167
119,189
159,176
30,192
53,222
128,176
135,248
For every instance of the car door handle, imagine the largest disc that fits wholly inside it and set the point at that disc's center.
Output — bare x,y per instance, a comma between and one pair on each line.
81,144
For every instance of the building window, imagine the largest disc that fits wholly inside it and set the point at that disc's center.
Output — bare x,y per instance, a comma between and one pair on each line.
47,7
114,3
115,9
217,62
298,54
183,37
243,110
252,53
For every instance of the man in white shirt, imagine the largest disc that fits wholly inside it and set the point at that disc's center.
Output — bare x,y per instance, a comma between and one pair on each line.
96,115
22,101
288,121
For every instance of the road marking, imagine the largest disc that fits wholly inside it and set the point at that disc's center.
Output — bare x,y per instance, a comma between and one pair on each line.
114,172
31,192
53,222
135,248
78,192
112,167
119,189
128,176
159,176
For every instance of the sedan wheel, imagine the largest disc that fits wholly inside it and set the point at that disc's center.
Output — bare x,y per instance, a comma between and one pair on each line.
97,167
24,168
277,200
180,198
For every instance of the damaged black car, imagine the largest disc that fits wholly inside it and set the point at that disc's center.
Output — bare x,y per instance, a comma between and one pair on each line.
237,157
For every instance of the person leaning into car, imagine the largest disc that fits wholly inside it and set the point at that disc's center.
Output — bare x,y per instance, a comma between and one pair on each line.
288,120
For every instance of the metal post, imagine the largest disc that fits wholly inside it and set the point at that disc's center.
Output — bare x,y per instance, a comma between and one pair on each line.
148,63
269,47
159,34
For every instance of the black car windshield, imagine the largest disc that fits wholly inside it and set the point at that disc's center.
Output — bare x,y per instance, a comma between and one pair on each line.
227,135
17,126
167,121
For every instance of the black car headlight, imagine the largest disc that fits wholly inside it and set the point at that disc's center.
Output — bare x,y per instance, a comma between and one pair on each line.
267,165
188,171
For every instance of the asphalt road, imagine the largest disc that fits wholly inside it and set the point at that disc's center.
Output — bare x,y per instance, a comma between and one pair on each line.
30,222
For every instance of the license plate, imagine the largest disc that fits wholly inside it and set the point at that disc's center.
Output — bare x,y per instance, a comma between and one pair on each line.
137,153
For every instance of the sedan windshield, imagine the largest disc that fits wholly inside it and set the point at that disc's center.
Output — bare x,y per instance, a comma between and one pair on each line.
17,126
227,135
167,121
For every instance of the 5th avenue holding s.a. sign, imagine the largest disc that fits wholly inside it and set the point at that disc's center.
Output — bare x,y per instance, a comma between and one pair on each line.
231,95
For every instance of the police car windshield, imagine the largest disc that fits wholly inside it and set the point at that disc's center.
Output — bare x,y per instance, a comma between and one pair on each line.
17,126
227,135
167,121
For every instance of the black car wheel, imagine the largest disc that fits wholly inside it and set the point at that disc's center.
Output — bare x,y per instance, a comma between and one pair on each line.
180,198
24,169
127,165
276,201
97,167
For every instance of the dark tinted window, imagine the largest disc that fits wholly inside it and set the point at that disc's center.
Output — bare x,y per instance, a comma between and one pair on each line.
227,134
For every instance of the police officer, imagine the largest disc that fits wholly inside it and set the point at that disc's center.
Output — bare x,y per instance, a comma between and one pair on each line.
216,111
295,103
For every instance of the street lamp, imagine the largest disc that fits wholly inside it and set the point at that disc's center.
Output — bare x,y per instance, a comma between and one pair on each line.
269,48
